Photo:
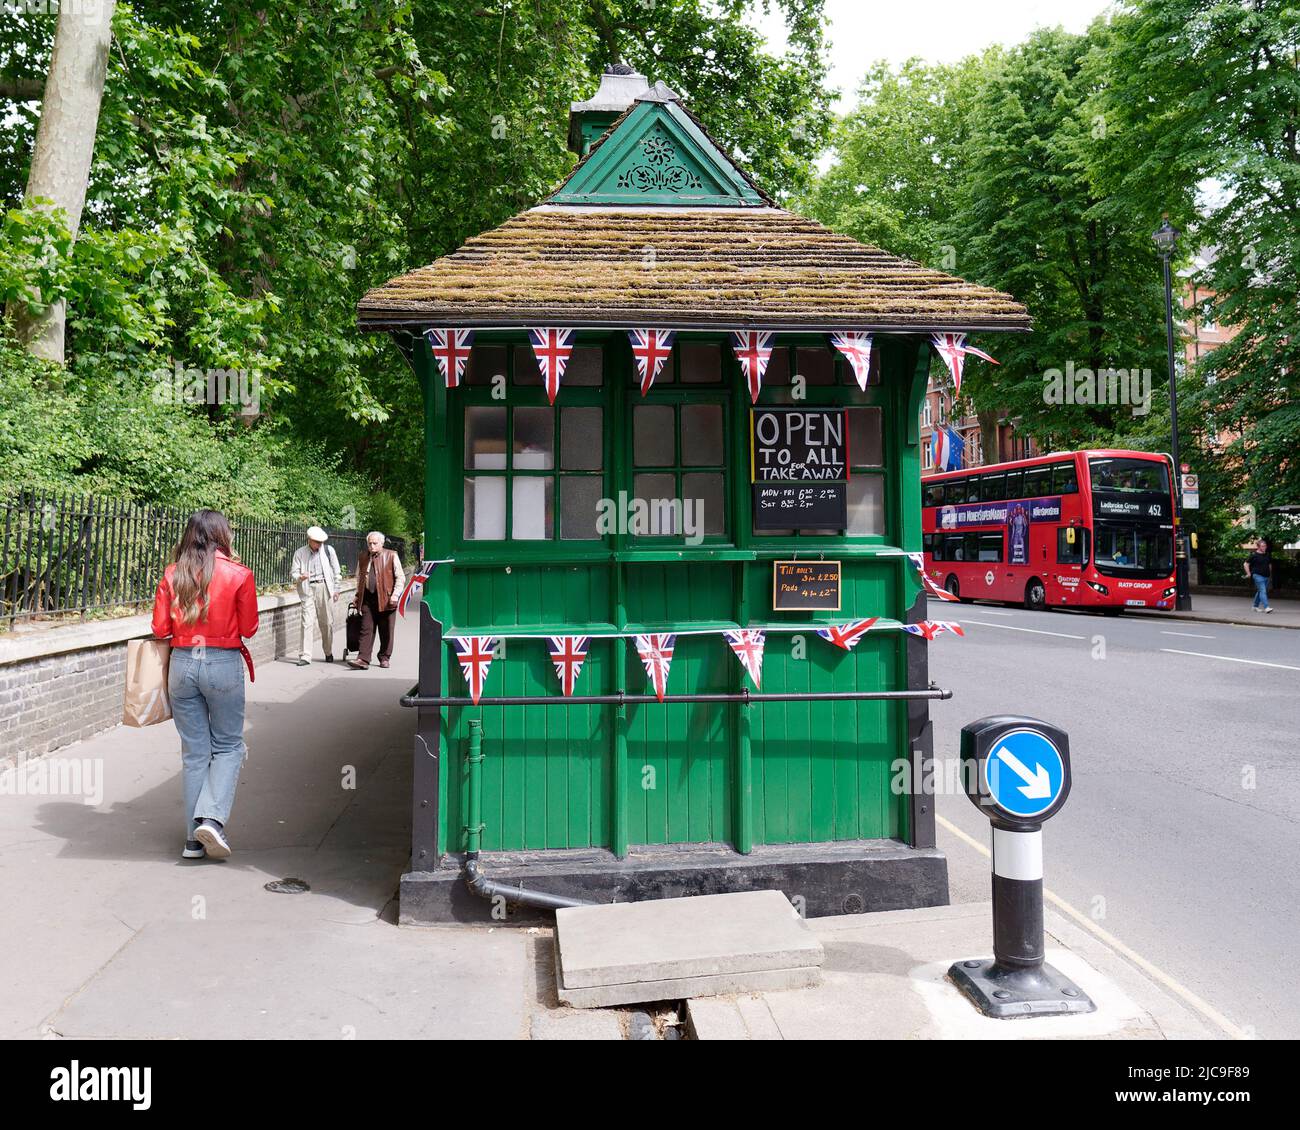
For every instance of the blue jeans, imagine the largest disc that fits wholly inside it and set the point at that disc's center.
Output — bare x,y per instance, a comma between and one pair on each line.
206,686
1261,591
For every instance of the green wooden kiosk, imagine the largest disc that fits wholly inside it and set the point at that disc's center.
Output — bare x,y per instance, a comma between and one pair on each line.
612,514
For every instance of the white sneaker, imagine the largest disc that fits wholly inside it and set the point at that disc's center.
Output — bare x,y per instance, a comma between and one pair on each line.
1269,608
209,835
193,850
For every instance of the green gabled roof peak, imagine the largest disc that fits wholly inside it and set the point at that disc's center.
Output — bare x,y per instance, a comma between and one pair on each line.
658,153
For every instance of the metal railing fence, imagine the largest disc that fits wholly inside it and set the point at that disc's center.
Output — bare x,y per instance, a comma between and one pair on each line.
62,552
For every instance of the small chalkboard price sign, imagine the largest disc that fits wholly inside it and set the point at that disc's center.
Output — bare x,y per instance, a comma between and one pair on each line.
806,586
800,506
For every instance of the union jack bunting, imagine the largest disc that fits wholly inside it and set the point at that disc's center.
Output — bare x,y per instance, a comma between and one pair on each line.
953,348
918,559
846,635
856,347
414,589
753,349
451,349
475,656
931,628
748,646
568,654
651,348
552,348
656,654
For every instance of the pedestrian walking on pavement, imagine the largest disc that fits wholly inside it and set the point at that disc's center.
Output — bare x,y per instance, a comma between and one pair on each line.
316,572
206,603
380,581
1259,568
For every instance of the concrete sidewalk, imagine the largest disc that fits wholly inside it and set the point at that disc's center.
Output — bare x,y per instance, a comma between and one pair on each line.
108,933
885,978
1215,609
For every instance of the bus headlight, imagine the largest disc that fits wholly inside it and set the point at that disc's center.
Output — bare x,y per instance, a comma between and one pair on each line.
1099,588
1169,592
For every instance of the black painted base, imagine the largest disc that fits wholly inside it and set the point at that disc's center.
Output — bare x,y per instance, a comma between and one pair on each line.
829,878
1009,994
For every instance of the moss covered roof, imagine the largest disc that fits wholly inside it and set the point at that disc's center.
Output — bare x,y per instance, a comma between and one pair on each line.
680,268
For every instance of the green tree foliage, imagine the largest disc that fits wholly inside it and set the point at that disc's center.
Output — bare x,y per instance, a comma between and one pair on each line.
1207,93
258,167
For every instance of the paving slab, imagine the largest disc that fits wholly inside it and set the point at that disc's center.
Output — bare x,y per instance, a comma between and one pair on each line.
675,939
576,1024
886,977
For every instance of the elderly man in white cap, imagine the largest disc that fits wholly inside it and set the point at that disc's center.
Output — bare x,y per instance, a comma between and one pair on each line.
316,573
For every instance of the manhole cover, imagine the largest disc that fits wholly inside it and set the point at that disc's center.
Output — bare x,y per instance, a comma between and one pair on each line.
853,904
287,886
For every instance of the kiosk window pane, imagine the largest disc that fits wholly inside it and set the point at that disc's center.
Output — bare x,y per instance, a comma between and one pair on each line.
700,364
485,508
816,366
582,443
485,439
653,440
702,435
866,498
866,445
707,497
526,370
579,498
584,367
662,510
532,508
485,362
778,367
534,444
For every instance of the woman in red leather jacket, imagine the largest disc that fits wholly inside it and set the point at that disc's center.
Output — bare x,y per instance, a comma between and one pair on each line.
207,603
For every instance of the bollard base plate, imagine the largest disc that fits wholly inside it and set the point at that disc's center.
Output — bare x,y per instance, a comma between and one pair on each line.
1009,994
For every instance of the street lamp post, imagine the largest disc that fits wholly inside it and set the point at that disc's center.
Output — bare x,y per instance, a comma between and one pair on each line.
1166,239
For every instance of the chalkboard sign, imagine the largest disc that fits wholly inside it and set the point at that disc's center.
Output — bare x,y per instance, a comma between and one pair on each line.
803,586
801,506
799,445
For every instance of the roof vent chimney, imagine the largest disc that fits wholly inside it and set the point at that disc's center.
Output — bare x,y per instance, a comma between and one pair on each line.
620,86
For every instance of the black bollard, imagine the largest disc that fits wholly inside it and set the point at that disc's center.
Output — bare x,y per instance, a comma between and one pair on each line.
1017,772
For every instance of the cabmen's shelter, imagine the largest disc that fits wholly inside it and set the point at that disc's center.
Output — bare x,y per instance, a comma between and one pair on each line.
672,640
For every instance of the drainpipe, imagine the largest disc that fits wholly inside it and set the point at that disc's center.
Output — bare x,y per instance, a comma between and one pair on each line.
475,880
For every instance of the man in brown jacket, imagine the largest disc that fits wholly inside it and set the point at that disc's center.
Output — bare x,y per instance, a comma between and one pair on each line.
380,581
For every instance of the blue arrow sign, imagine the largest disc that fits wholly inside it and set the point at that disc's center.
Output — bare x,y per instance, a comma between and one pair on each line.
1025,773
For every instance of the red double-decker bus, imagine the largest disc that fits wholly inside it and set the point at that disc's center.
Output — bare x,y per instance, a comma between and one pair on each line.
1082,529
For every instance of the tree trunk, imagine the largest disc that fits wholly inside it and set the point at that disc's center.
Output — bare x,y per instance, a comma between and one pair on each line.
988,419
65,144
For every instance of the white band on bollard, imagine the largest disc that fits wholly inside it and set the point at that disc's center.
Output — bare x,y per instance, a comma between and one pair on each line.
1018,855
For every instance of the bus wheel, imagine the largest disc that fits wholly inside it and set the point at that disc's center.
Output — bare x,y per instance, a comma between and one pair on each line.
1035,595
952,586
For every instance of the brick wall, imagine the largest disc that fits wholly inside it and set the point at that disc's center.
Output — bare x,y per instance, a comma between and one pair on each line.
50,701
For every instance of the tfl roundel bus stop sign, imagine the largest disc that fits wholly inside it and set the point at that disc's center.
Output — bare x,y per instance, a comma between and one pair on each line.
1017,770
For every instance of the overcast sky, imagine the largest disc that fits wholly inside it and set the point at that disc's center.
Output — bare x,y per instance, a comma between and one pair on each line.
939,31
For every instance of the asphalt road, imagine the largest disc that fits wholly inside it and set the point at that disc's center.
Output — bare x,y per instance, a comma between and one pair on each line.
1181,835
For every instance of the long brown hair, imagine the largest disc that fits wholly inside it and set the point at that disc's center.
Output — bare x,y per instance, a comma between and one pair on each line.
206,532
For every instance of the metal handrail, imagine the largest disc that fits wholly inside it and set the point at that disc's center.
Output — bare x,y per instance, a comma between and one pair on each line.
414,699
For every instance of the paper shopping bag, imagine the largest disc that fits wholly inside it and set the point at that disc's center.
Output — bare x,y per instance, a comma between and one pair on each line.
145,702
